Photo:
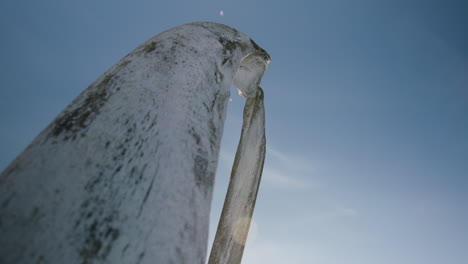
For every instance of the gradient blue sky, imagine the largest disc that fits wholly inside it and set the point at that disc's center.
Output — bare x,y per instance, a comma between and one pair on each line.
366,105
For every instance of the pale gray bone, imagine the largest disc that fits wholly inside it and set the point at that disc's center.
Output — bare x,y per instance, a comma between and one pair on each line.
233,228
125,173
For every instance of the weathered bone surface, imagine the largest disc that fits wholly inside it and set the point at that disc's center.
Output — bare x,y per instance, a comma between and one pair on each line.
239,204
125,173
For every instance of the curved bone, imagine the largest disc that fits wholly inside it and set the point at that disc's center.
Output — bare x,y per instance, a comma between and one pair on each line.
239,204
125,173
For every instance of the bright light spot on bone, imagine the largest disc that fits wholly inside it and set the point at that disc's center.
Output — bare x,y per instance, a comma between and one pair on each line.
221,13
240,230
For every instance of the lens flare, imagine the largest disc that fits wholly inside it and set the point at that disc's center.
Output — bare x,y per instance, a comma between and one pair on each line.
240,230
221,13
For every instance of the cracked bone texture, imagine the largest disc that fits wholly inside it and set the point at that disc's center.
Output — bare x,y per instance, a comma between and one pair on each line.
125,173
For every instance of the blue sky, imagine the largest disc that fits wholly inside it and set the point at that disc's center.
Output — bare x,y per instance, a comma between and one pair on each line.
366,105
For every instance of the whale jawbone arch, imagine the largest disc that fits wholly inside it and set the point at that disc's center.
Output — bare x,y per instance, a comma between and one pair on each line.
125,173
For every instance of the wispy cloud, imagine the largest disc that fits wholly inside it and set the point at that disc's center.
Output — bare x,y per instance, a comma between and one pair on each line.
278,179
292,161
276,252
287,171
284,171
338,212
